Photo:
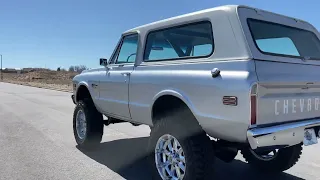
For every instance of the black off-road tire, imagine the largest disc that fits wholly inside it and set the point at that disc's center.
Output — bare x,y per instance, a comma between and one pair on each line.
285,159
94,123
197,147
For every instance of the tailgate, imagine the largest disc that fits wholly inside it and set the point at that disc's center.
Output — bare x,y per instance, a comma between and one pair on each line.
286,52
287,92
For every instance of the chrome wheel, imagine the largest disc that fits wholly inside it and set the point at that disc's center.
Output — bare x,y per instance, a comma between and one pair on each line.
81,124
169,158
265,156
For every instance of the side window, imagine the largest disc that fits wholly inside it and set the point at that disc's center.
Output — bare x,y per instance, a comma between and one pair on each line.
201,50
127,53
161,49
192,40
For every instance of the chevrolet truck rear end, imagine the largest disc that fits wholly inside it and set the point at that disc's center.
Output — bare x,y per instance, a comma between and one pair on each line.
246,77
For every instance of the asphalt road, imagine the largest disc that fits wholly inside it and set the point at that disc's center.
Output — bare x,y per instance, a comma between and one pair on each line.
36,142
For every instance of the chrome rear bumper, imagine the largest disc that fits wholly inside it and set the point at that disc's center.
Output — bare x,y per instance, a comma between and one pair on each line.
280,135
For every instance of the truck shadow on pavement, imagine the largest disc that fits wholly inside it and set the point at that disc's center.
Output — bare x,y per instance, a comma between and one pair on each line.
127,157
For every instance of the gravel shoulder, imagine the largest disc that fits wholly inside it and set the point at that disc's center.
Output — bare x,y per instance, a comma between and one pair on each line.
57,87
55,80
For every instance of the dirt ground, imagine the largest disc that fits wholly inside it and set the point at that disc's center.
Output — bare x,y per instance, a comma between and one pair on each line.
57,80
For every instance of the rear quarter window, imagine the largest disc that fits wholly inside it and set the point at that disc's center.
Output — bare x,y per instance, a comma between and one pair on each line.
186,41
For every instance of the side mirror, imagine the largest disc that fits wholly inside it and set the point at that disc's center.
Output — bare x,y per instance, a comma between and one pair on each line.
103,62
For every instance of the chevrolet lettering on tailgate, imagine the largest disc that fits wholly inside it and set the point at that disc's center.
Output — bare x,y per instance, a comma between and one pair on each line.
296,105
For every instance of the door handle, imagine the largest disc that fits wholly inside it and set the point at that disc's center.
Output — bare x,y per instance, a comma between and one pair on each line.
125,73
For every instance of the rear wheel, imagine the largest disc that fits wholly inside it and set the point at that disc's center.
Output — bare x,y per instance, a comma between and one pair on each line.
179,148
273,161
87,124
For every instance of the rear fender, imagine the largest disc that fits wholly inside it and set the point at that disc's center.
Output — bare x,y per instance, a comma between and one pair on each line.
176,93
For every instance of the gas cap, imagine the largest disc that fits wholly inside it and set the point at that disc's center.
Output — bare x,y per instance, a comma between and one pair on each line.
215,72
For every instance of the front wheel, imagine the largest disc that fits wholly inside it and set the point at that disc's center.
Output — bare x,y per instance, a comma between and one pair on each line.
273,161
87,124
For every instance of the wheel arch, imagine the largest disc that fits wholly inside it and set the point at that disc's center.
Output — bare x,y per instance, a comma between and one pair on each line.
82,91
176,97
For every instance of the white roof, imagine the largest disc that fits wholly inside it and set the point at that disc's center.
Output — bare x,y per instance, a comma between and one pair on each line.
225,8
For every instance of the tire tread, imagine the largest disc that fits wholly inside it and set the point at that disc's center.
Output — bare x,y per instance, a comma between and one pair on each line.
94,124
199,155
286,158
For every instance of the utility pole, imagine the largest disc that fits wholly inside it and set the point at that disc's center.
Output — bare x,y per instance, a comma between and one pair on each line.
1,68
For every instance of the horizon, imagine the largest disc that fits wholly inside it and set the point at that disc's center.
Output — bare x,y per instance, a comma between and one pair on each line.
66,33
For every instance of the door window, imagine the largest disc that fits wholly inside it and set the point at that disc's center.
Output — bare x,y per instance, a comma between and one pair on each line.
128,51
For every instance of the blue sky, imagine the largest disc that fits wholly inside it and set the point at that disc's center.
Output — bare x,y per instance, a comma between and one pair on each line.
53,33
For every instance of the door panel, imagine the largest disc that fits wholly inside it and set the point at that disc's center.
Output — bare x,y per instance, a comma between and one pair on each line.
114,95
114,86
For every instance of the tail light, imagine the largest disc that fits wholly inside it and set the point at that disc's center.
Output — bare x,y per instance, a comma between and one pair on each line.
253,104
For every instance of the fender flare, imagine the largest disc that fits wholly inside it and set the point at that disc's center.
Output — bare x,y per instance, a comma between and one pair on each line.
175,93
81,83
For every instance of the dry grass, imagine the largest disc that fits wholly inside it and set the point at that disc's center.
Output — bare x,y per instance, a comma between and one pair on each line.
57,80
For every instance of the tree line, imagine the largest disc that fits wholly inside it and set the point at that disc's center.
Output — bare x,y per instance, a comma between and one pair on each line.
78,68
